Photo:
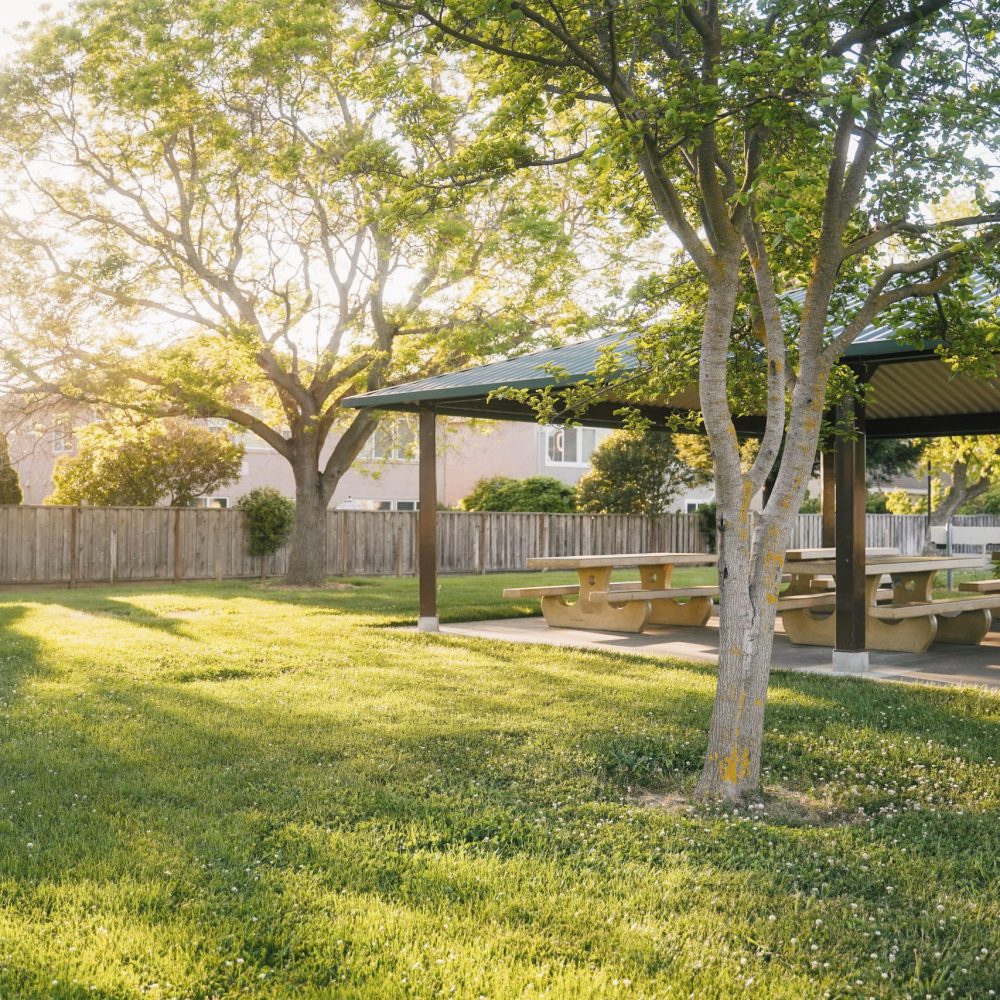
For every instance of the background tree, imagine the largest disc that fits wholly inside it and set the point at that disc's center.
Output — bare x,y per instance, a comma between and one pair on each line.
262,196
886,459
120,465
787,147
543,494
635,472
10,485
966,469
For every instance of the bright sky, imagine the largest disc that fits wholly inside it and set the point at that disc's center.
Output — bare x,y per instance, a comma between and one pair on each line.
14,12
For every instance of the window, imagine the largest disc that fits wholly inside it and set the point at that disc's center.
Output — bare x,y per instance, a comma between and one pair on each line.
215,503
570,445
62,439
693,505
354,503
393,441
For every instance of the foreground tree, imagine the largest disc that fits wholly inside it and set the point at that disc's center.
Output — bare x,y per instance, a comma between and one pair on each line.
635,472
786,146
264,194
121,465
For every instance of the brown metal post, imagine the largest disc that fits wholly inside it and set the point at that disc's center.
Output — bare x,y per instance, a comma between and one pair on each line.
850,653
828,498
427,527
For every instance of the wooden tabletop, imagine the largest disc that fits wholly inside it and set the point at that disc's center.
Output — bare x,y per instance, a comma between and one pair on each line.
877,565
617,561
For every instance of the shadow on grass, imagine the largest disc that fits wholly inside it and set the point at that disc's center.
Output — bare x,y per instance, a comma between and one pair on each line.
527,766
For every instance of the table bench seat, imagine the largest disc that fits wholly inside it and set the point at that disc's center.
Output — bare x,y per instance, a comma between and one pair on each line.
980,586
634,593
555,590
564,590
820,599
947,606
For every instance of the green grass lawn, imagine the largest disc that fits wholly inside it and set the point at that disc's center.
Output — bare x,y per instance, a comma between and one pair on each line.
228,791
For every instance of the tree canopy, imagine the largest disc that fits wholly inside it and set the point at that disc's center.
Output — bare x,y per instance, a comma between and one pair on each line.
264,217
794,151
123,465
635,472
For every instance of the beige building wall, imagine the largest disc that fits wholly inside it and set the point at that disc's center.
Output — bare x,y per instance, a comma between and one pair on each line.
385,477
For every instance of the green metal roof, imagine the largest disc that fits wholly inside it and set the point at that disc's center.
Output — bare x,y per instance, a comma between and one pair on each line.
921,391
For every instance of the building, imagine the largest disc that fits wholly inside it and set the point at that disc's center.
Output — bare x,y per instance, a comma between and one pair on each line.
385,475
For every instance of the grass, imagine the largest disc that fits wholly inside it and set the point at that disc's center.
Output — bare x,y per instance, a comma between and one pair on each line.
224,791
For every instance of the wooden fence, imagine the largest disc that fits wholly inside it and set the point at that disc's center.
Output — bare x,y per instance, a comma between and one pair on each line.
73,545
120,544
902,531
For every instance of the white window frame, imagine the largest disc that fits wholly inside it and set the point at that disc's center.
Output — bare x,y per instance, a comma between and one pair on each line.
405,454
551,432
206,503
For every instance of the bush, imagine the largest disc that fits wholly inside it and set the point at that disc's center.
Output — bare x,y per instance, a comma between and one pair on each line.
875,503
541,494
707,514
811,505
270,516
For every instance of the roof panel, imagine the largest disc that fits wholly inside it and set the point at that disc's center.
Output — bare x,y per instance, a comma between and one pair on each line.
919,386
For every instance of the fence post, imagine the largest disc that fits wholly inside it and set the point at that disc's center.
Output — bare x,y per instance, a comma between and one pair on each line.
113,548
177,544
74,546
482,543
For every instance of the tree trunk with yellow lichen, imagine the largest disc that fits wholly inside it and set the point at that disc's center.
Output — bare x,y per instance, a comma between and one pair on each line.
751,556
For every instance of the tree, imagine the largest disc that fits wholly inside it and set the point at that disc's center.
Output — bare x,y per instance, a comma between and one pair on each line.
120,465
788,148
10,485
533,494
634,472
971,466
886,459
263,194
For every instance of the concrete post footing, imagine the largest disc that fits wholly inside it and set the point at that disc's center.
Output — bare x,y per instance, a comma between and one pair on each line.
850,662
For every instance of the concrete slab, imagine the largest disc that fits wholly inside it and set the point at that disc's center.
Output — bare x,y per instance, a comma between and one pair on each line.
941,664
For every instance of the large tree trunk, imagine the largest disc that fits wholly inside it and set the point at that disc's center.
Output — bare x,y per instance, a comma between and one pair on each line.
746,636
307,556
751,559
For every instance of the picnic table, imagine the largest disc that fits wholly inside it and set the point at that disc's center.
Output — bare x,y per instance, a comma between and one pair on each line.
903,618
624,606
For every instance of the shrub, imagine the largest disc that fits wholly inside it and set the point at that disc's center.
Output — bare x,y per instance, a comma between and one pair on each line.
707,514
270,516
541,494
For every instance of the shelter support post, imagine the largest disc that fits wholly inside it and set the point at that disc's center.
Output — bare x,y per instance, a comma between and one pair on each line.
427,524
828,500
850,653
